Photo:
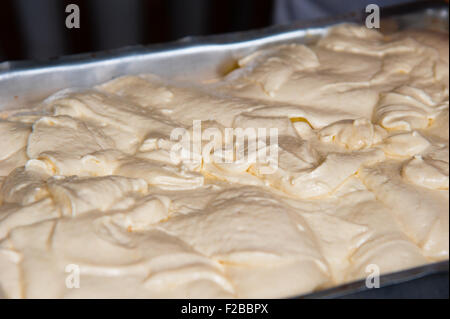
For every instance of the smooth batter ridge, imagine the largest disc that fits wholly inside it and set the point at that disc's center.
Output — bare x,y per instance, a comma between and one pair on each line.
86,179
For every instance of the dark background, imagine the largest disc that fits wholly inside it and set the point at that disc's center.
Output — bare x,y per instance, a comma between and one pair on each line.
35,29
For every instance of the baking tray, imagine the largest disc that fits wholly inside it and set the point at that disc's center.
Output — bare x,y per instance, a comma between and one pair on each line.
23,83
428,281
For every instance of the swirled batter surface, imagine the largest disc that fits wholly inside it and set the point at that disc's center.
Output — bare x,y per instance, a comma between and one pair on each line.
86,178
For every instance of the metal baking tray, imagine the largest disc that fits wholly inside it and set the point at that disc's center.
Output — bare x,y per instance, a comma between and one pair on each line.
428,281
23,83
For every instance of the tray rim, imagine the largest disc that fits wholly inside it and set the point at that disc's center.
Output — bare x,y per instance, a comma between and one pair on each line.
386,280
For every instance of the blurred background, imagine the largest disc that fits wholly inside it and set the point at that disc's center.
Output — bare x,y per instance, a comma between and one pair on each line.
36,29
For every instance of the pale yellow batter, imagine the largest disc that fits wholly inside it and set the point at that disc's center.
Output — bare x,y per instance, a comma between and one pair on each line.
87,180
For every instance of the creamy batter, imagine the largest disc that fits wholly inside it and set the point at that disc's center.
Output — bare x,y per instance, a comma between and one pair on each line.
86,178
